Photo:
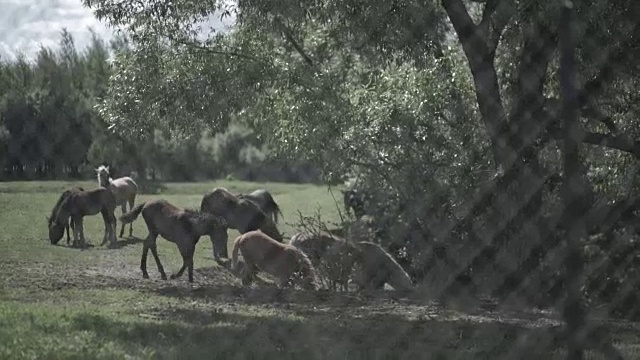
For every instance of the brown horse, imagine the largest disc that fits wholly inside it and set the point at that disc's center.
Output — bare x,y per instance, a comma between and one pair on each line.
265,202
80,203
334,256
183,227
124,188
376,267
239,214
285,262
56,232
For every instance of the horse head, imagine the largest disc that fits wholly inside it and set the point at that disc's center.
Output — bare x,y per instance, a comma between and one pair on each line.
56,231
103,175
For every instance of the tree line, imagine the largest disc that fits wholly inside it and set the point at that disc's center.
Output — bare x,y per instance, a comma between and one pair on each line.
50,127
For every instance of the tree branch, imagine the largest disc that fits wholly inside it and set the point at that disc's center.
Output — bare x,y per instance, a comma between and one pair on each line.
460,19
289,37
505,10
622,143
495,17
197,46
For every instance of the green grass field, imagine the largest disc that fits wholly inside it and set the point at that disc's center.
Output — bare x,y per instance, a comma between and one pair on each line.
58,302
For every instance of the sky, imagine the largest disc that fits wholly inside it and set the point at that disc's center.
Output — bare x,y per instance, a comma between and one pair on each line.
25,25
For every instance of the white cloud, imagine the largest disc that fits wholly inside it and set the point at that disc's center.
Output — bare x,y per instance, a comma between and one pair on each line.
25,25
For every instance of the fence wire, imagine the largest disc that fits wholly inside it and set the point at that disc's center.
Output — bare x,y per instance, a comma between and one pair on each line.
533,237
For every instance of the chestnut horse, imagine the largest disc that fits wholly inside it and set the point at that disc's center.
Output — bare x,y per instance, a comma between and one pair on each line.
285,262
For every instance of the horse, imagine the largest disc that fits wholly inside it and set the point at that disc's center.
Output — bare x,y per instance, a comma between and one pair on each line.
265,201
80,203
124,188
240,214
375,267
183,227
56,232
283,261
331,253
354,201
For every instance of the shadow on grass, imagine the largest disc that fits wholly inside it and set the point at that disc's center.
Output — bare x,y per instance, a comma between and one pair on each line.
195,334
131,240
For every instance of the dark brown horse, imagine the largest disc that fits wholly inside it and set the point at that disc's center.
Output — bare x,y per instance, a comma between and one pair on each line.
56,232
183,227
332,255
240,214
265,202
80,203
283,261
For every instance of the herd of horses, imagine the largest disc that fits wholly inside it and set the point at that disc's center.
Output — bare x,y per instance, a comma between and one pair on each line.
301,260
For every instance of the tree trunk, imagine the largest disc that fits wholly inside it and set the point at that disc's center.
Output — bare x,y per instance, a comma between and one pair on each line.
573,191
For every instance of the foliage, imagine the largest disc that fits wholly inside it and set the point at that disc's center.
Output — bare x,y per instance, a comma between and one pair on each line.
50,127
420,101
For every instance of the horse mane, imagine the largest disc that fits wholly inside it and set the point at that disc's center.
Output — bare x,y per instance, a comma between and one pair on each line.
58,206
193,214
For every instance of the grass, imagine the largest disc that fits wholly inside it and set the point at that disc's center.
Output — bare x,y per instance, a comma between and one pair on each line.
62,303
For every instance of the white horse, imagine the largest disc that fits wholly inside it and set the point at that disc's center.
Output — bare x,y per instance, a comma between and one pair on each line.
265,202
124,188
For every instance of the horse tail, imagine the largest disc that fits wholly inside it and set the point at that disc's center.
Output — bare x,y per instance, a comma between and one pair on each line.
133,214
275,213
308,271
274,205
234,253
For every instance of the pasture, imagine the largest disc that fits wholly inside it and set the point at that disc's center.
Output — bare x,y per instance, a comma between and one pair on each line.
58,302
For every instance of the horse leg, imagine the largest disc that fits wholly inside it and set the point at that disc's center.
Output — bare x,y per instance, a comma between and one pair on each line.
248,273
124,211
132,203
150,244
219,243
143,259
76,234
80,230
187,260
110,227
66,227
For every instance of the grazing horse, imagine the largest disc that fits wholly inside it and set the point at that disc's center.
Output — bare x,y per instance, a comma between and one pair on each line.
265,201
183,227
283,261
240,214
56,232
330,253
80,203
124,188
354,201
377,267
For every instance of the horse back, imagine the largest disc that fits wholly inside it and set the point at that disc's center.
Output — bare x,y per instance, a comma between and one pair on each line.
92,202
124,186
268,254
218,201
168,220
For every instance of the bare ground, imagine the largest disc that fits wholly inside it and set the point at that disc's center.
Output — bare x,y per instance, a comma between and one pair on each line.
216,293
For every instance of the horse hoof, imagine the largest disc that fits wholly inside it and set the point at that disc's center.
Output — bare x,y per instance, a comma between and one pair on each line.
173,276
164,277
145,276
